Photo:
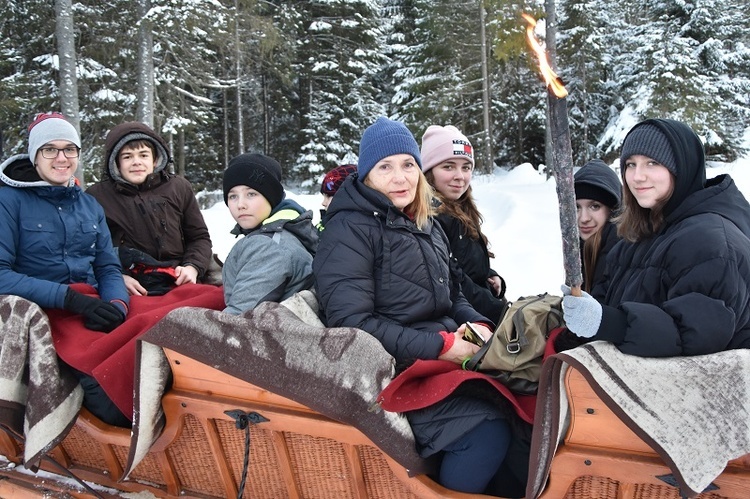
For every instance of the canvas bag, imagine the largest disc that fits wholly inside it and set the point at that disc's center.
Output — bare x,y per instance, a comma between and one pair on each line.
513,355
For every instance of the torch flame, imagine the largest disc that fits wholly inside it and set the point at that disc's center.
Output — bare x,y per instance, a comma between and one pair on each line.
550,77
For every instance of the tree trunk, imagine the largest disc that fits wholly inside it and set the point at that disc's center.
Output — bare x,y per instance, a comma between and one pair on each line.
487,162
238,76
145,65
66,53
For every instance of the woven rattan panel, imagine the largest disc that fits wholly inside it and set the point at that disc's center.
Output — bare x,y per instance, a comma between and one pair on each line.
263,475
380,481
84,450
193,460
592,487
147,470
321,467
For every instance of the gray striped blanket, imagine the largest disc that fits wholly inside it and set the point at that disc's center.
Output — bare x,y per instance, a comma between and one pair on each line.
682,407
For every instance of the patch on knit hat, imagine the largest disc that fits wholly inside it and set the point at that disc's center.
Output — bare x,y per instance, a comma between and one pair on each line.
334,178
258,172
48,127
648,140
441,143
382,139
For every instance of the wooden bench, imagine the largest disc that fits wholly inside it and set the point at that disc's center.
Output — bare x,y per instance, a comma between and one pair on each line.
298,453
601,457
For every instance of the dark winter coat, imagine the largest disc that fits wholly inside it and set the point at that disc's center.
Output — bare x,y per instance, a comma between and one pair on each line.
52,236
160,217
608,241
271,262
375,270
472,257
685,290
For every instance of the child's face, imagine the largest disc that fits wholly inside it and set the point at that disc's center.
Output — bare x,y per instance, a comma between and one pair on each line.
248,207
649,181
592,216
452,178
136,163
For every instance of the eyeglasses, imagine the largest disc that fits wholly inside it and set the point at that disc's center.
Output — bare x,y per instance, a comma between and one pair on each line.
52,152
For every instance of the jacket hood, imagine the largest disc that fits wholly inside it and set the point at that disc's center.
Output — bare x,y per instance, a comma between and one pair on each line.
721,197
290,216
19,171
124,133
598,174
689,158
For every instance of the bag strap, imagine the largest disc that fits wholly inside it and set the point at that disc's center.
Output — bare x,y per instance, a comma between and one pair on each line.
472,363
514,342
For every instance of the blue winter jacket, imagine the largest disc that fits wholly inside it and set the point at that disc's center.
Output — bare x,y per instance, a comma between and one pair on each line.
52,236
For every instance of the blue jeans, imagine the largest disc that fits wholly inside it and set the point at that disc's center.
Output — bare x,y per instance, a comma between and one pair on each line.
470,462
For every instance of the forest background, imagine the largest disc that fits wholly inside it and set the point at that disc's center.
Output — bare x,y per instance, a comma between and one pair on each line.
301,80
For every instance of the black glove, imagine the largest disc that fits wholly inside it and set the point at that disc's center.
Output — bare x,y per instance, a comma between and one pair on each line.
99,315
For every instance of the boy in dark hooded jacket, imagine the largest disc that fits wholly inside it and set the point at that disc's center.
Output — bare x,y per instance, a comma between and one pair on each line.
152,214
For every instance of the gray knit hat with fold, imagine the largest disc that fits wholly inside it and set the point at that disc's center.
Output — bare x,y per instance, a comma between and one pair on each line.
648,140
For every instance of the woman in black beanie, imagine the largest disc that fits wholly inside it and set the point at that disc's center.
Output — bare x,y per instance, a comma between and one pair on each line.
679,283
598,196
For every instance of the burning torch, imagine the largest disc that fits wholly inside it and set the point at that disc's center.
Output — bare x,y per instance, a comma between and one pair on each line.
562,164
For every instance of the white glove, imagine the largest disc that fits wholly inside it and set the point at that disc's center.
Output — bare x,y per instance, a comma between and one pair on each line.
582,314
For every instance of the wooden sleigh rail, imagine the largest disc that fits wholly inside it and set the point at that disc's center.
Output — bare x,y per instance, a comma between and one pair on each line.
602,458
297,453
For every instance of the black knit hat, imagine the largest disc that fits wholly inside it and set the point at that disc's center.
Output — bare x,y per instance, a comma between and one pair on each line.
596,180
648,140
258,172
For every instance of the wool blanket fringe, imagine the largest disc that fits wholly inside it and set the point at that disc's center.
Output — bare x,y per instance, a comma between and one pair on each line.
683,407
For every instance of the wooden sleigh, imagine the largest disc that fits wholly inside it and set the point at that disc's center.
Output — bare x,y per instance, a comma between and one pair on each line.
300,453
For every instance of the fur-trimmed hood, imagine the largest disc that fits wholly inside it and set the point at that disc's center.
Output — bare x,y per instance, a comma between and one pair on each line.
124,133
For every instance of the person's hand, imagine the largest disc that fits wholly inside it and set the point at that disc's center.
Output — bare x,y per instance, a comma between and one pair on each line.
582,314
483,331
188,273
133,286
496,283
98,314
461,349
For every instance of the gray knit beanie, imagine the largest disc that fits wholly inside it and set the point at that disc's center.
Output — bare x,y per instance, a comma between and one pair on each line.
48,127
648,140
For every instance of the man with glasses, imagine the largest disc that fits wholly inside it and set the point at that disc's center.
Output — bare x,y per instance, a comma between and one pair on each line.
53,235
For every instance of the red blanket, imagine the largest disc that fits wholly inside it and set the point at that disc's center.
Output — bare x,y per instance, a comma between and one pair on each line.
427,382
110,357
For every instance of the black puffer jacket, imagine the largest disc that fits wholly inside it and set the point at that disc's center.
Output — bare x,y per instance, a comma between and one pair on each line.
376,271
686,290
608,241
473,258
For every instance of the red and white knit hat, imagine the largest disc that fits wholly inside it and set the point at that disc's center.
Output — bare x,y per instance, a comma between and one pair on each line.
47,127
441,143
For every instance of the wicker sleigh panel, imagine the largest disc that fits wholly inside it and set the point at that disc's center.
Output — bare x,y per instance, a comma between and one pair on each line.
298,453
601,458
